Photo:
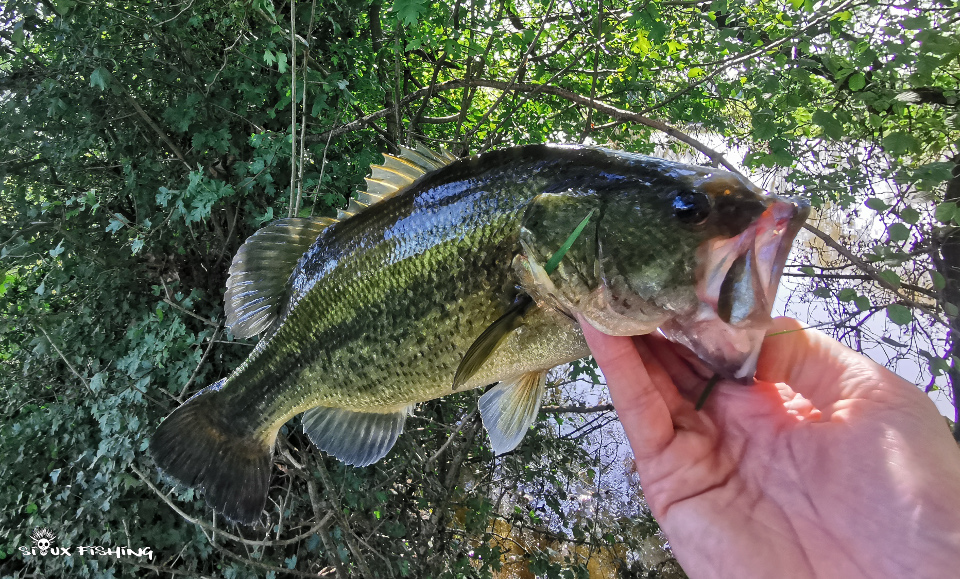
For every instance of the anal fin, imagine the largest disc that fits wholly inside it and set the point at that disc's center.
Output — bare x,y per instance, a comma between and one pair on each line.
510,408
356,438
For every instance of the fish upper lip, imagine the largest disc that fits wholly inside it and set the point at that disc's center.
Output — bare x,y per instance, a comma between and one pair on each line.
766,242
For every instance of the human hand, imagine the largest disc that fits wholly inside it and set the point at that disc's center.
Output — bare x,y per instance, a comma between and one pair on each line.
829,466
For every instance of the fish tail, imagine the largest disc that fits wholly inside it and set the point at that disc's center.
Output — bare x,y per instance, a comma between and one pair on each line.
199,447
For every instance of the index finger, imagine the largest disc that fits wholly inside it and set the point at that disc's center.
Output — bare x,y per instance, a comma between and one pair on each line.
640,406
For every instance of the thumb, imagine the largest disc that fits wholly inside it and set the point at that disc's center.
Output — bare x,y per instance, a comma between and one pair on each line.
810,362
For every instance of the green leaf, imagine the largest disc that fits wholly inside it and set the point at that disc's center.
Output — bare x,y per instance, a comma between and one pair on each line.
862,303
900,143
950,309
945,212
890,277
932,173
898,232
939,282
893,342
409,11
115,224
97,382
99,78
900,315
829,123
857,81
847,294
910,215
31,508
822,292
876,204
938,366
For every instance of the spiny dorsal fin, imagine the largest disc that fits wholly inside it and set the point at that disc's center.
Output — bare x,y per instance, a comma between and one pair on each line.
395,175
356,438
261,268
509,408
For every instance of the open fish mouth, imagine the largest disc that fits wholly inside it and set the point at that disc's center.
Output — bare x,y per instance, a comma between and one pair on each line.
737,285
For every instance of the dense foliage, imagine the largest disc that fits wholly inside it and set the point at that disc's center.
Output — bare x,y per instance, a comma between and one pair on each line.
144,141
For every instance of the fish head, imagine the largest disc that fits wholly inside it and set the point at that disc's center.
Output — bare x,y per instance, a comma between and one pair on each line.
695,252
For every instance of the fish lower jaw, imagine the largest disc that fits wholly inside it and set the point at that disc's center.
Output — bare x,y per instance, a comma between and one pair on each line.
730,351
624,317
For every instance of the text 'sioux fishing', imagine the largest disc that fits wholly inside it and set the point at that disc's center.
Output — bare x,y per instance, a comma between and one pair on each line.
433,281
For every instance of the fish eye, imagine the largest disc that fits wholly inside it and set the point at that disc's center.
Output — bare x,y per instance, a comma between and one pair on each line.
691,207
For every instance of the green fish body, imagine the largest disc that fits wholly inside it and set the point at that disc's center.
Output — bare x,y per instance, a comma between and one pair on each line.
433,281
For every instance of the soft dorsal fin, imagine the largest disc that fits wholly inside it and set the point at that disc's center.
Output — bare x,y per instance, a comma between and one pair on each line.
261,268
395,175
357,438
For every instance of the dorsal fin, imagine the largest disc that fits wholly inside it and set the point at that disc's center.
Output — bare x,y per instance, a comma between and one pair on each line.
261,268
395,175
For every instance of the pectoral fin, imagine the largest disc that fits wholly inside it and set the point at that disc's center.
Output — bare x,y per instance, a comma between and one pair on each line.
510,408
487,342
357,438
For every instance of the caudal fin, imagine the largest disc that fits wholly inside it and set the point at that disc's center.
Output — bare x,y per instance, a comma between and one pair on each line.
198,447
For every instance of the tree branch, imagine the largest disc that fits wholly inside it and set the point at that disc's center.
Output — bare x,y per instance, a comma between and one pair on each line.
156,128
64,358
204,525
871,271
577,409
619,114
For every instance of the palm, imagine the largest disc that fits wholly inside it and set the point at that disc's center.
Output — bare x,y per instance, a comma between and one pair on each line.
857,478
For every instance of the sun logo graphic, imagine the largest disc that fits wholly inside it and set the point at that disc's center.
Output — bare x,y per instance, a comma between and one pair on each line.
43,539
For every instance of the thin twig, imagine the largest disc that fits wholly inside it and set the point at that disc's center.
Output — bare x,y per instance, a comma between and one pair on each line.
872,272
64,358
604,108
156,128
206,353
587,125
189,313
325,572
576,409
293,108
161,569
323,166
467,419
303,123
517,77
232,537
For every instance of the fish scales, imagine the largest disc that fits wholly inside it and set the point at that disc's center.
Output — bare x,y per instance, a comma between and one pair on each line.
440,286
384,311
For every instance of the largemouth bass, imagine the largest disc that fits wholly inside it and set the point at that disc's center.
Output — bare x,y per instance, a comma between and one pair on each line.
436,280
